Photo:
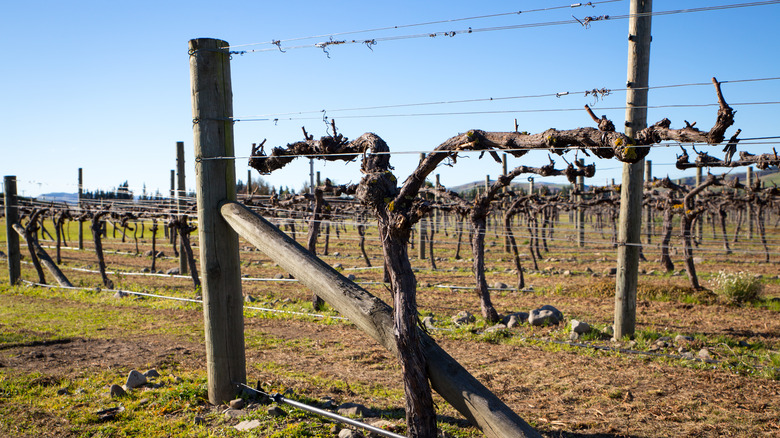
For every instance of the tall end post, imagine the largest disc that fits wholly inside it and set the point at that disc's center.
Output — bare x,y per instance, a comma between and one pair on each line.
630,223
212,111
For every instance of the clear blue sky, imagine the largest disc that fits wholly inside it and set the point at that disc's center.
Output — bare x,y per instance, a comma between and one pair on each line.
104,85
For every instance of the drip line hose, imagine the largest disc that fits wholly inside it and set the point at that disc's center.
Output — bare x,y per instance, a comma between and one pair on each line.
279,399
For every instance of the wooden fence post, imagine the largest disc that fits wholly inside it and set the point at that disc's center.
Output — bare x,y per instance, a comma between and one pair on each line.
581,209
749,211
80,211
180,193
630,226
212,109
700,222
649,228
423,231
12,239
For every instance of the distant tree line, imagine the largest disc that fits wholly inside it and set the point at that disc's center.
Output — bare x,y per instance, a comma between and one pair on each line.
122,191
260,187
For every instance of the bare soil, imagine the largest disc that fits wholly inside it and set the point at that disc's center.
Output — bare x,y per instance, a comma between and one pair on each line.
563,392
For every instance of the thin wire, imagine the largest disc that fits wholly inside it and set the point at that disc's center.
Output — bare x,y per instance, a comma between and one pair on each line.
564,228
491,99
462,152
403,26
189,300
324,45
512,111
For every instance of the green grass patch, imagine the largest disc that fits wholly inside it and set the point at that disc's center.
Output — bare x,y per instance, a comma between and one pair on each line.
737,287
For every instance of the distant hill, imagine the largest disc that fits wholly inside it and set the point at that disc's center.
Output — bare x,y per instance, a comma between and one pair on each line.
768,176
463,188
70,198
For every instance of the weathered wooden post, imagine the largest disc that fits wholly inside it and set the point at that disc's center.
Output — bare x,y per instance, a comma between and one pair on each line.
167,231
311,175
700,222
630,227
504,170
80,211
581,209
173,188
649,209
436,212
487,219
181,203
212,109
12,239
423,230
749,210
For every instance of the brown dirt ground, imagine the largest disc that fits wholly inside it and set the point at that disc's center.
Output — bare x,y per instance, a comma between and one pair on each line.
564,393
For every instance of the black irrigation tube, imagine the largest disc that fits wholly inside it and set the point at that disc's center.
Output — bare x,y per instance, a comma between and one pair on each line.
279,399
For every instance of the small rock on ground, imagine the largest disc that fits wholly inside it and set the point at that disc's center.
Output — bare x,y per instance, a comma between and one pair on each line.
579,327
135,379
233,413
355,409
276,411
116,391
545,315
463,317
238,403
494,328
382,424
519,318
349,433
248,425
